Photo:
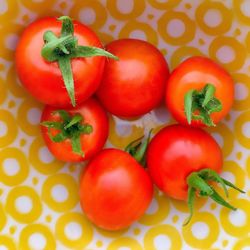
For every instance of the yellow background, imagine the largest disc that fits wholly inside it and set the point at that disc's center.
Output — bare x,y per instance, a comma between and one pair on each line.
180,28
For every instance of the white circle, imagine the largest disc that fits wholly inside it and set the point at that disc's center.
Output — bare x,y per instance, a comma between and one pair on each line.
237,218
225,54
212,18
200,230
123,128
124,248
245,8
153,207
45,155
37,241
34,116
138,34
23,204
3,6
241,91
59,193
11,41
218,138
3,129
246,129
87,15
175,28
11,167
161,114
73,231
246,248
125,8
3,247
162,242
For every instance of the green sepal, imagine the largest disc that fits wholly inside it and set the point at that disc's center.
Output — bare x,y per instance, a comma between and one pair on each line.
87,51
71,127
198,182
65,67
65,48
199,105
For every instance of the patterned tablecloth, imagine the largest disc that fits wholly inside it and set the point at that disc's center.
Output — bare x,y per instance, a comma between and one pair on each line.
39,203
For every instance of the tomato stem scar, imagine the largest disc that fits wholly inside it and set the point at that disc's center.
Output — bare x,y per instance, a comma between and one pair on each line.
203,102
65,48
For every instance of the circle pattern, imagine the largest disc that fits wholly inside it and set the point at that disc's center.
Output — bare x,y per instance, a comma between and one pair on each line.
69,185
39,194
86,228
23,171
24,217
29,231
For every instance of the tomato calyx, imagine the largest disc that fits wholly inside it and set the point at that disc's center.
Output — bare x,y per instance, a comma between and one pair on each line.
203,102
137,149
71,127
64,48
198,183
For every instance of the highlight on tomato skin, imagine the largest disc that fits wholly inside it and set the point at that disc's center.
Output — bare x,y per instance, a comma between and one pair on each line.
115,190
199,92
182,161
75,134
135,84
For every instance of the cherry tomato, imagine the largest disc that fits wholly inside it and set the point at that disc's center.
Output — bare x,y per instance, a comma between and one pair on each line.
75,134
115,190
44,78
199,92
182,162
135,84
175,152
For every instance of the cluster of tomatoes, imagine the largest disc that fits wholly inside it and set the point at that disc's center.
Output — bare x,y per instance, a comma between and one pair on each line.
62,64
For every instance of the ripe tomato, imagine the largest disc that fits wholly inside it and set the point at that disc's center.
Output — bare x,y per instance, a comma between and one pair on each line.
135,84
182,160
85,135
47,63
115,190
199,92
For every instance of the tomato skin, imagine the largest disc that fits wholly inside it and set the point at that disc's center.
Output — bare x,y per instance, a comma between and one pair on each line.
135,84
92,143
195,73
44,79
175,152
115,190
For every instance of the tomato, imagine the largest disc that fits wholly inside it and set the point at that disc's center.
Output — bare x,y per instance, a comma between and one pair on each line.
84,138
199,92
115,190
135,84
183,160
46,70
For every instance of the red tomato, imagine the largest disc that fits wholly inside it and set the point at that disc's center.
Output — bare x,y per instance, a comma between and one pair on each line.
135,84
177,151
193,74
43,79
115,190
90,142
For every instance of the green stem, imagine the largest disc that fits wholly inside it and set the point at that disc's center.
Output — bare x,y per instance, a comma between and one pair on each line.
64,48
198,182
137,148
70,127
199,105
